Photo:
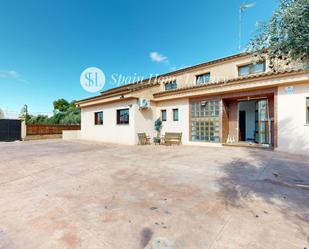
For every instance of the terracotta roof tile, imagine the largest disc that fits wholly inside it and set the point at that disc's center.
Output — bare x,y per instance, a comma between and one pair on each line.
223,82
127,86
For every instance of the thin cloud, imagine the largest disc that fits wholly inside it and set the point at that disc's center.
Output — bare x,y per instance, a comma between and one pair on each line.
12,74
157,57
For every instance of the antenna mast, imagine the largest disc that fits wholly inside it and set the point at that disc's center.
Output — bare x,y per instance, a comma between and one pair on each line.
242,7
240,21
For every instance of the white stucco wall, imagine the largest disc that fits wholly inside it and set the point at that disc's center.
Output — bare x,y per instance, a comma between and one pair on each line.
23,130
144,121
109,131
176,126
293,132
221,71
70,135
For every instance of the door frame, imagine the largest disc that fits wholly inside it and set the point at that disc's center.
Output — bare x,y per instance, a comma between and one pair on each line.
246,100
245,126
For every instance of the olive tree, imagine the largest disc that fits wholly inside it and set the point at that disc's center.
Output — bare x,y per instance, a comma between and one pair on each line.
285,37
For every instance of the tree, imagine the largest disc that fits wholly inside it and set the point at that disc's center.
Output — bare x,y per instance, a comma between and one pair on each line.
71,117
65,112
286,36
61,105
2,116
39,119
56,118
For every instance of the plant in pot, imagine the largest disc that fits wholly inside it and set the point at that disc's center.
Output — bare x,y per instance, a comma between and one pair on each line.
158,128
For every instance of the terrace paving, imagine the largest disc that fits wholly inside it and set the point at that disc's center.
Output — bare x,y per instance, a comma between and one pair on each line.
77,194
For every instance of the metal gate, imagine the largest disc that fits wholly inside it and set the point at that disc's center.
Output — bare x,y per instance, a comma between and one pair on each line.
10,130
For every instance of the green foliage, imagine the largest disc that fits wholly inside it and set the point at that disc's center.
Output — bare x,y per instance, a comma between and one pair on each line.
64,113
56,119
26,117
61,105
158,126
39,119
286,36
72,116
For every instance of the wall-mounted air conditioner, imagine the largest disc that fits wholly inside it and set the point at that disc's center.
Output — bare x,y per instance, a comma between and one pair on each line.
143,103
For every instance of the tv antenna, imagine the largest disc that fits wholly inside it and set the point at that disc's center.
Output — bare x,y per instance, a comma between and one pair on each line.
242,8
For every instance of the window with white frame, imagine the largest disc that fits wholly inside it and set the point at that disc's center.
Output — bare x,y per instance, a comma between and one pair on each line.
171,85
203,78
251,68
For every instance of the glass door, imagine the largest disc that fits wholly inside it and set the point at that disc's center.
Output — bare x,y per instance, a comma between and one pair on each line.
262,123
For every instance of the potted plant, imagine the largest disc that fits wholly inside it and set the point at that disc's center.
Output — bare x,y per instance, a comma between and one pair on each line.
158,128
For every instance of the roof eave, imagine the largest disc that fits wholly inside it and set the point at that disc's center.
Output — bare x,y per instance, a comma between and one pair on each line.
233,81
175,73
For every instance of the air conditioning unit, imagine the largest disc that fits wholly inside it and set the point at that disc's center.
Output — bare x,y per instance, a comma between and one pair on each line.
143,103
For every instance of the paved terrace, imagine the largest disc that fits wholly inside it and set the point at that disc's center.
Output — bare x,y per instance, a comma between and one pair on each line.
61,194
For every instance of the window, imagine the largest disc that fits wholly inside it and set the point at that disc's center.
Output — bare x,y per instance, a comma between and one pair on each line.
307,109
123,116
203,78
98,118
163,115
175,115
205,121
171,85
251,69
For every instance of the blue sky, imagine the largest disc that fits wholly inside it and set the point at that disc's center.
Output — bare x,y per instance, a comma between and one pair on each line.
45,45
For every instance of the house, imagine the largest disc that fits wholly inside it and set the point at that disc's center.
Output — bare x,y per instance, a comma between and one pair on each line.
231,100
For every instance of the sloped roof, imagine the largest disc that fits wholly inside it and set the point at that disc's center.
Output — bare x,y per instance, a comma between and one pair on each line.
119,91
230,81
150,82
145,81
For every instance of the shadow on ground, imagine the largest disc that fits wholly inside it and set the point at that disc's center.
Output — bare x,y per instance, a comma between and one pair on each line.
281,180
